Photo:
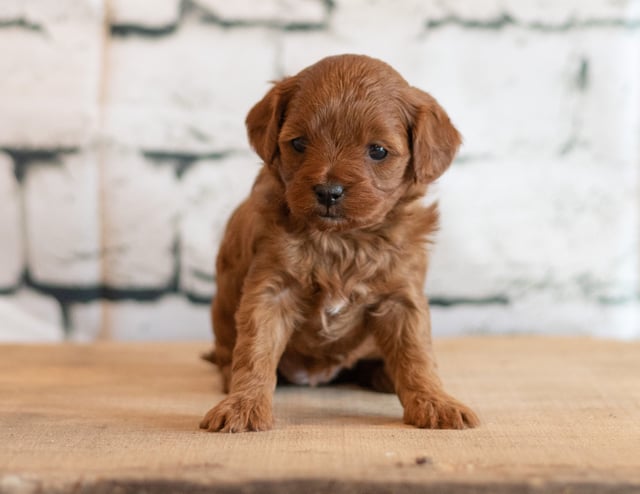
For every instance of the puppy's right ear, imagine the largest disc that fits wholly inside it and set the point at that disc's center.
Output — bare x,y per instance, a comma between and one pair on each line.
435,139
266,118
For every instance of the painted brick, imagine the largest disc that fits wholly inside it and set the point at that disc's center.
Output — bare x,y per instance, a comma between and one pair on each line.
88,322
28,317
543,13
512,109
170,318
11,237
272,11
63,221
192,91
137,12
542,314
49,89
44,12
402,25
140,220
211,190
516,109
607,96
516,229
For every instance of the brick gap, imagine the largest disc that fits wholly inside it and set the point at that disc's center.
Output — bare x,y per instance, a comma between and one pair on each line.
23,158
191,8
506,20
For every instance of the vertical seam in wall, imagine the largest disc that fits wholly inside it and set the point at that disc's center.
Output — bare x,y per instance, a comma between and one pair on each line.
104,332
635,71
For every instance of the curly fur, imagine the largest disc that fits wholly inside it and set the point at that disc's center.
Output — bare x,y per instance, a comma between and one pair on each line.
308,289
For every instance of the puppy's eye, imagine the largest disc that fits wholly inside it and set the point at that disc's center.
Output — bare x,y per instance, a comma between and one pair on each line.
377,152
299,144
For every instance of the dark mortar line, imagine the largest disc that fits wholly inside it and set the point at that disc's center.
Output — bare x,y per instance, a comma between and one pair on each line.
124,30
582,79
330,5
23,23
616,301
205,16
571,143
182,161
497,23
31,154
85,294
455,301
196,299
66,318
23,158
463,159
174,285
213,19
627,24
10,290
505,20
202,275
184,156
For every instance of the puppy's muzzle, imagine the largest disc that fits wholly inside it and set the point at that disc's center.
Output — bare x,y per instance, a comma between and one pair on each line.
329,194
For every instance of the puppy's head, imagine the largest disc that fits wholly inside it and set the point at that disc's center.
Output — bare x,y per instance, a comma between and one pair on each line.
348,138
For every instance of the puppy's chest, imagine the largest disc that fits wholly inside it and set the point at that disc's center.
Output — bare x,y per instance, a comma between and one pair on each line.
340,277
337,301
334,315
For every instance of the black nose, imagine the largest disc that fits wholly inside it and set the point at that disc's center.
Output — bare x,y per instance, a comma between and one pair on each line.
329,194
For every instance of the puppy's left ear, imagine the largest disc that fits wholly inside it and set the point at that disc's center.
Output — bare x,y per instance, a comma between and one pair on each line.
266,118
435,140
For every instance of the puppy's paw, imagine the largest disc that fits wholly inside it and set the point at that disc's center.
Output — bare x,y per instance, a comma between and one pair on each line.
239,413
439,411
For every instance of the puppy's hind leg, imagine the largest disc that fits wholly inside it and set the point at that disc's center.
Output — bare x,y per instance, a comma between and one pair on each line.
368,373
373,374
224,329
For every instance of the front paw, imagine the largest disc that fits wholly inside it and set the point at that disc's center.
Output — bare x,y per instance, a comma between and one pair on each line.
239,413
439,411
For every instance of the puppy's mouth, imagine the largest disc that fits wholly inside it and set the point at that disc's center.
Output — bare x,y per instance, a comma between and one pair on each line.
330,215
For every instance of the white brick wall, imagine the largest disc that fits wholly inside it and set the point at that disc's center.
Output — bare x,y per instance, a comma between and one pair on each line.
62,220
29,317
192,90
211,190
51,69
123,150
168,318
11,238
140,221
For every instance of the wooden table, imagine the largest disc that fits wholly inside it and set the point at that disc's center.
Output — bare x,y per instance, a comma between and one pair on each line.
558,415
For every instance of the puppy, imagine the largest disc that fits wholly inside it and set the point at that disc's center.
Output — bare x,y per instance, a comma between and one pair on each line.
324,264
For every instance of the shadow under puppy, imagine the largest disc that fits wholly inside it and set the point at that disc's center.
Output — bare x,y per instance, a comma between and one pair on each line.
324,264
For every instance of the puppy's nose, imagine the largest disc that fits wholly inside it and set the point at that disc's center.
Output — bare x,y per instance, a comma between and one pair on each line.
329,194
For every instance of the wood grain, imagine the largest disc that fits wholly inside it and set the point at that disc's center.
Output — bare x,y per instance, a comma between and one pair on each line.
557,415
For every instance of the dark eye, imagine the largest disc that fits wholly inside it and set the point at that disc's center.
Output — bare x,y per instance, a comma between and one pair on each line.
299,144
377,152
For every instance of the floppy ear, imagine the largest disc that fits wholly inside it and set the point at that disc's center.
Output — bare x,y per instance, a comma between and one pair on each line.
435,140
266,118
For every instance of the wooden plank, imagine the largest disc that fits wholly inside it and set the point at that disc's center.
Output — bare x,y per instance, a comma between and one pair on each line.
557,414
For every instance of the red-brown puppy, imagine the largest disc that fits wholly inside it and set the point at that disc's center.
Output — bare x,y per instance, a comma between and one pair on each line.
324,264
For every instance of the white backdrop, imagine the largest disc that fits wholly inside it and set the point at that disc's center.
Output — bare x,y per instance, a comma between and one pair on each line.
123,150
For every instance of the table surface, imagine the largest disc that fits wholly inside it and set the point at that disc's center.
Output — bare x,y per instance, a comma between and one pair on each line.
557,414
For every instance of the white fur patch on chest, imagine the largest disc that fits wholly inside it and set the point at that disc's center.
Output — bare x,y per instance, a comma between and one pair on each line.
335,307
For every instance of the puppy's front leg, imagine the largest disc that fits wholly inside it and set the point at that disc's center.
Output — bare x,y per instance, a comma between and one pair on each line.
264,322
402,330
